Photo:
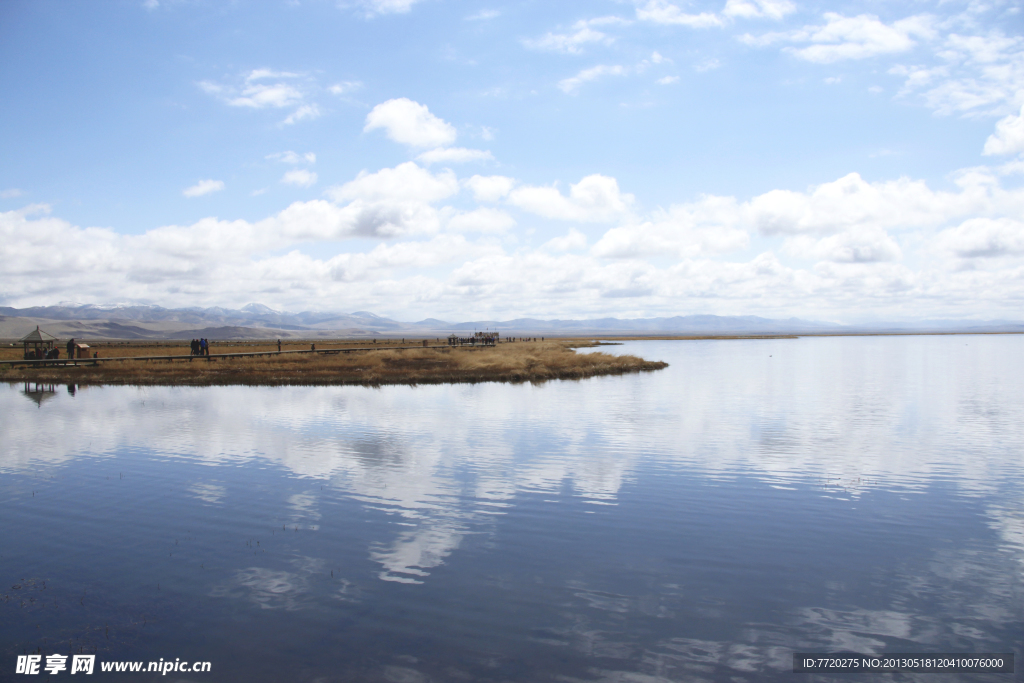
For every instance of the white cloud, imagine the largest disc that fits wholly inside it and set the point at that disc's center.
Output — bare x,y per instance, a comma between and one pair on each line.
850,201
454,155
1008,137
11,193
268,89
490,188
708,64
410,123
291,157
667,80
664,12
594,198
858,37
299,178
861,244
263,74
484,15
306,111
345,87
572,85
582,32
405,182
984,238
484,220
710,226
203,187
573,241
758,9
375,7
259,96
874,246
655,58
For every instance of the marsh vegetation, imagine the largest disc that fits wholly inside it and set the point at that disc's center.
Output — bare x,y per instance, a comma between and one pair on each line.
352,364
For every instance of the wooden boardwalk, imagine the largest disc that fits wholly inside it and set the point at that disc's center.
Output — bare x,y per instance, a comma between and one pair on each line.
64,362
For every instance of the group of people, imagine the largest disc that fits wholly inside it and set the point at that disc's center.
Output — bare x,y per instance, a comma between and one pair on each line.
200,347
42,354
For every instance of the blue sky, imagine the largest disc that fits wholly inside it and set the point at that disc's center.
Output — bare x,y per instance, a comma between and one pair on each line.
844,161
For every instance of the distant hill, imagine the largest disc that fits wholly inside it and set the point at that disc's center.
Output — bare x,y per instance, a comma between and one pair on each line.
259,321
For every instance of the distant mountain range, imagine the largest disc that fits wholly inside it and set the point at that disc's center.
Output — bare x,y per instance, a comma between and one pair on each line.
259,321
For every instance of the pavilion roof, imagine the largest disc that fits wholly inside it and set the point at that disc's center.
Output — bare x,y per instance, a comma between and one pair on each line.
37,335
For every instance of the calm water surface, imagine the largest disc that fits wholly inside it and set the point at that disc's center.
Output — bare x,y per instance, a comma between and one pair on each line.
700,523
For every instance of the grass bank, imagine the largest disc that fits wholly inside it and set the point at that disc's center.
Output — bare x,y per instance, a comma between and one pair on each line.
507,362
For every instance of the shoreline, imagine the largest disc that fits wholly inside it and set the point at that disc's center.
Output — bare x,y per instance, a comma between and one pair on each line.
507,362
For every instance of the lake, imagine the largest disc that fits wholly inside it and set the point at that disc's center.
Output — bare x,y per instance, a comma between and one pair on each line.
700,523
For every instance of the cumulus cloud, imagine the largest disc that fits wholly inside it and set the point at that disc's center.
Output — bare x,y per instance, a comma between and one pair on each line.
869,244
11,193
848,220
203,187
454,155
881,245
851,201
484,219
404,182
713,225
410,123
490,188
1008,137
573,241
299,178
594,198
984,238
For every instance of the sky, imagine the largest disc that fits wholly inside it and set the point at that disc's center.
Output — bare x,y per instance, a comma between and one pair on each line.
464,160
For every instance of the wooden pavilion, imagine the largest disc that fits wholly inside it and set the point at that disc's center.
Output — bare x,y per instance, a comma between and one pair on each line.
40,342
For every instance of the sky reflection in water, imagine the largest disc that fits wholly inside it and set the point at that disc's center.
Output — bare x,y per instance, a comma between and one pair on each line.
699,523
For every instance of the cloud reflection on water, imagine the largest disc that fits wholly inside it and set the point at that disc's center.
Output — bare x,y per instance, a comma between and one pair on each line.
838,419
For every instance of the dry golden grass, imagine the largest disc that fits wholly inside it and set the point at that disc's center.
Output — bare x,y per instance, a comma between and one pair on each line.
116,349
515,362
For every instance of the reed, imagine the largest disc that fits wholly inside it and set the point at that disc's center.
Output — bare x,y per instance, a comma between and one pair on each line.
508,362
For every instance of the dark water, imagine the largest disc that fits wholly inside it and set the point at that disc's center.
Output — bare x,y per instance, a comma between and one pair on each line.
699,523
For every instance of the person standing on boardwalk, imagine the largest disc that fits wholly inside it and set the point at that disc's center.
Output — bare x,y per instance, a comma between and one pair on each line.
279,346
71,347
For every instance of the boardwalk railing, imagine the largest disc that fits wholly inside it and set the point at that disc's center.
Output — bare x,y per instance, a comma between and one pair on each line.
73,362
